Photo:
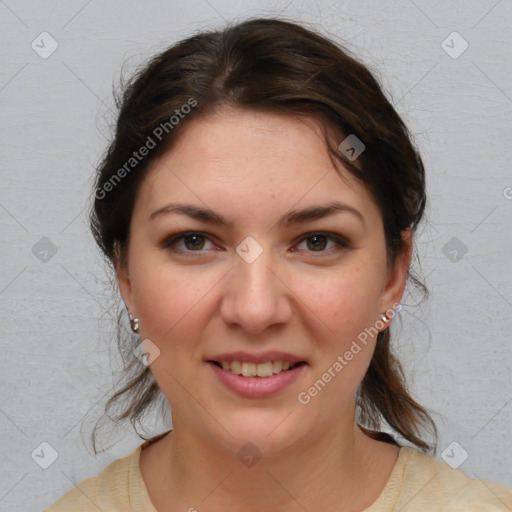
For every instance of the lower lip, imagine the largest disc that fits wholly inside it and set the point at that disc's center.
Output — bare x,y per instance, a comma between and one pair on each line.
257,387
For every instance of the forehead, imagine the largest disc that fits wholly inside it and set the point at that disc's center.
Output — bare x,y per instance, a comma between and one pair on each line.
244,158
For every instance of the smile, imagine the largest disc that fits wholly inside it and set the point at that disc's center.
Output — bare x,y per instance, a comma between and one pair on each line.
265,369
260,380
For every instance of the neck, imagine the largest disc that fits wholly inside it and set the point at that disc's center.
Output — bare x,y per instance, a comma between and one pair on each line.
341,466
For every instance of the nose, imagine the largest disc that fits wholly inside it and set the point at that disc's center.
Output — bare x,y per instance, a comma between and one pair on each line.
256,296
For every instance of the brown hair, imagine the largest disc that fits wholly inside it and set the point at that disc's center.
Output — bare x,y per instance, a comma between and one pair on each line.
282,67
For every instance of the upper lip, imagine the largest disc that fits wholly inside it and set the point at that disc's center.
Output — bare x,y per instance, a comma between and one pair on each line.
263,357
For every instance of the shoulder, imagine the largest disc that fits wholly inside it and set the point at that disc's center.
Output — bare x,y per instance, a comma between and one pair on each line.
108,490
428,484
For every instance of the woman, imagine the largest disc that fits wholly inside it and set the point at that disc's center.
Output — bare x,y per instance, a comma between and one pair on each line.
258,204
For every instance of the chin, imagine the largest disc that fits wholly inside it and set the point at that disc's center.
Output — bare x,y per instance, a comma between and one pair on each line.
260,433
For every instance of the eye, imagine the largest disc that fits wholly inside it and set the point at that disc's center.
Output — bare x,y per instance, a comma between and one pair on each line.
192,241
318,242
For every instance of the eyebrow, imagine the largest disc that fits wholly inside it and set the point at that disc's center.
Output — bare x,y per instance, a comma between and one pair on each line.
291,218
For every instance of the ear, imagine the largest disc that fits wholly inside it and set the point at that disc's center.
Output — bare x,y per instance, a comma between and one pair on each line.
123,280
397,275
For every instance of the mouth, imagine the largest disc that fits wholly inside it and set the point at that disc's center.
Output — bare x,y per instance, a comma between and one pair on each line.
264,369
262,378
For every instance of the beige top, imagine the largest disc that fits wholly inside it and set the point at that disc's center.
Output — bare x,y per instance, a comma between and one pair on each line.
418,483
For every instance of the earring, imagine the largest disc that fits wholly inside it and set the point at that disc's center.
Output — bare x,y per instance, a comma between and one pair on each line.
384,318
134,323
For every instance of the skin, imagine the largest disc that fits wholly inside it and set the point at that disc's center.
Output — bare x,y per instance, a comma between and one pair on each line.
252,168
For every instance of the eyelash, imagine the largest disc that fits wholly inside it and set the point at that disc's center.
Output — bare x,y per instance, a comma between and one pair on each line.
341,243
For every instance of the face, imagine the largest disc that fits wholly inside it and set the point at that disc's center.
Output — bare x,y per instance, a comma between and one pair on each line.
250,251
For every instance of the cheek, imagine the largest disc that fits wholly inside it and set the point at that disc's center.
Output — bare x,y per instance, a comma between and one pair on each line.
344,302
168,299
168,307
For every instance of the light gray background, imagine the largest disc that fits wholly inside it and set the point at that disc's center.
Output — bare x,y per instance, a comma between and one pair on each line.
55,113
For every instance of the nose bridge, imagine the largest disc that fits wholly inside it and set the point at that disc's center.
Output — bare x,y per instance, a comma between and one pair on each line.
255,298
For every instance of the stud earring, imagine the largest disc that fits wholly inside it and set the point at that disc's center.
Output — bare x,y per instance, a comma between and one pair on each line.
134,323
384,318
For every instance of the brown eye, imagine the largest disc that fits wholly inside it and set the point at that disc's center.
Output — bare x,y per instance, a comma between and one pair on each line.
193,242
186,242
318,243
324,244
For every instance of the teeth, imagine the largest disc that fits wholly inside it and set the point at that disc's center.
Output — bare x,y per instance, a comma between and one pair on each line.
266,369
248,369
236,367
277,366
